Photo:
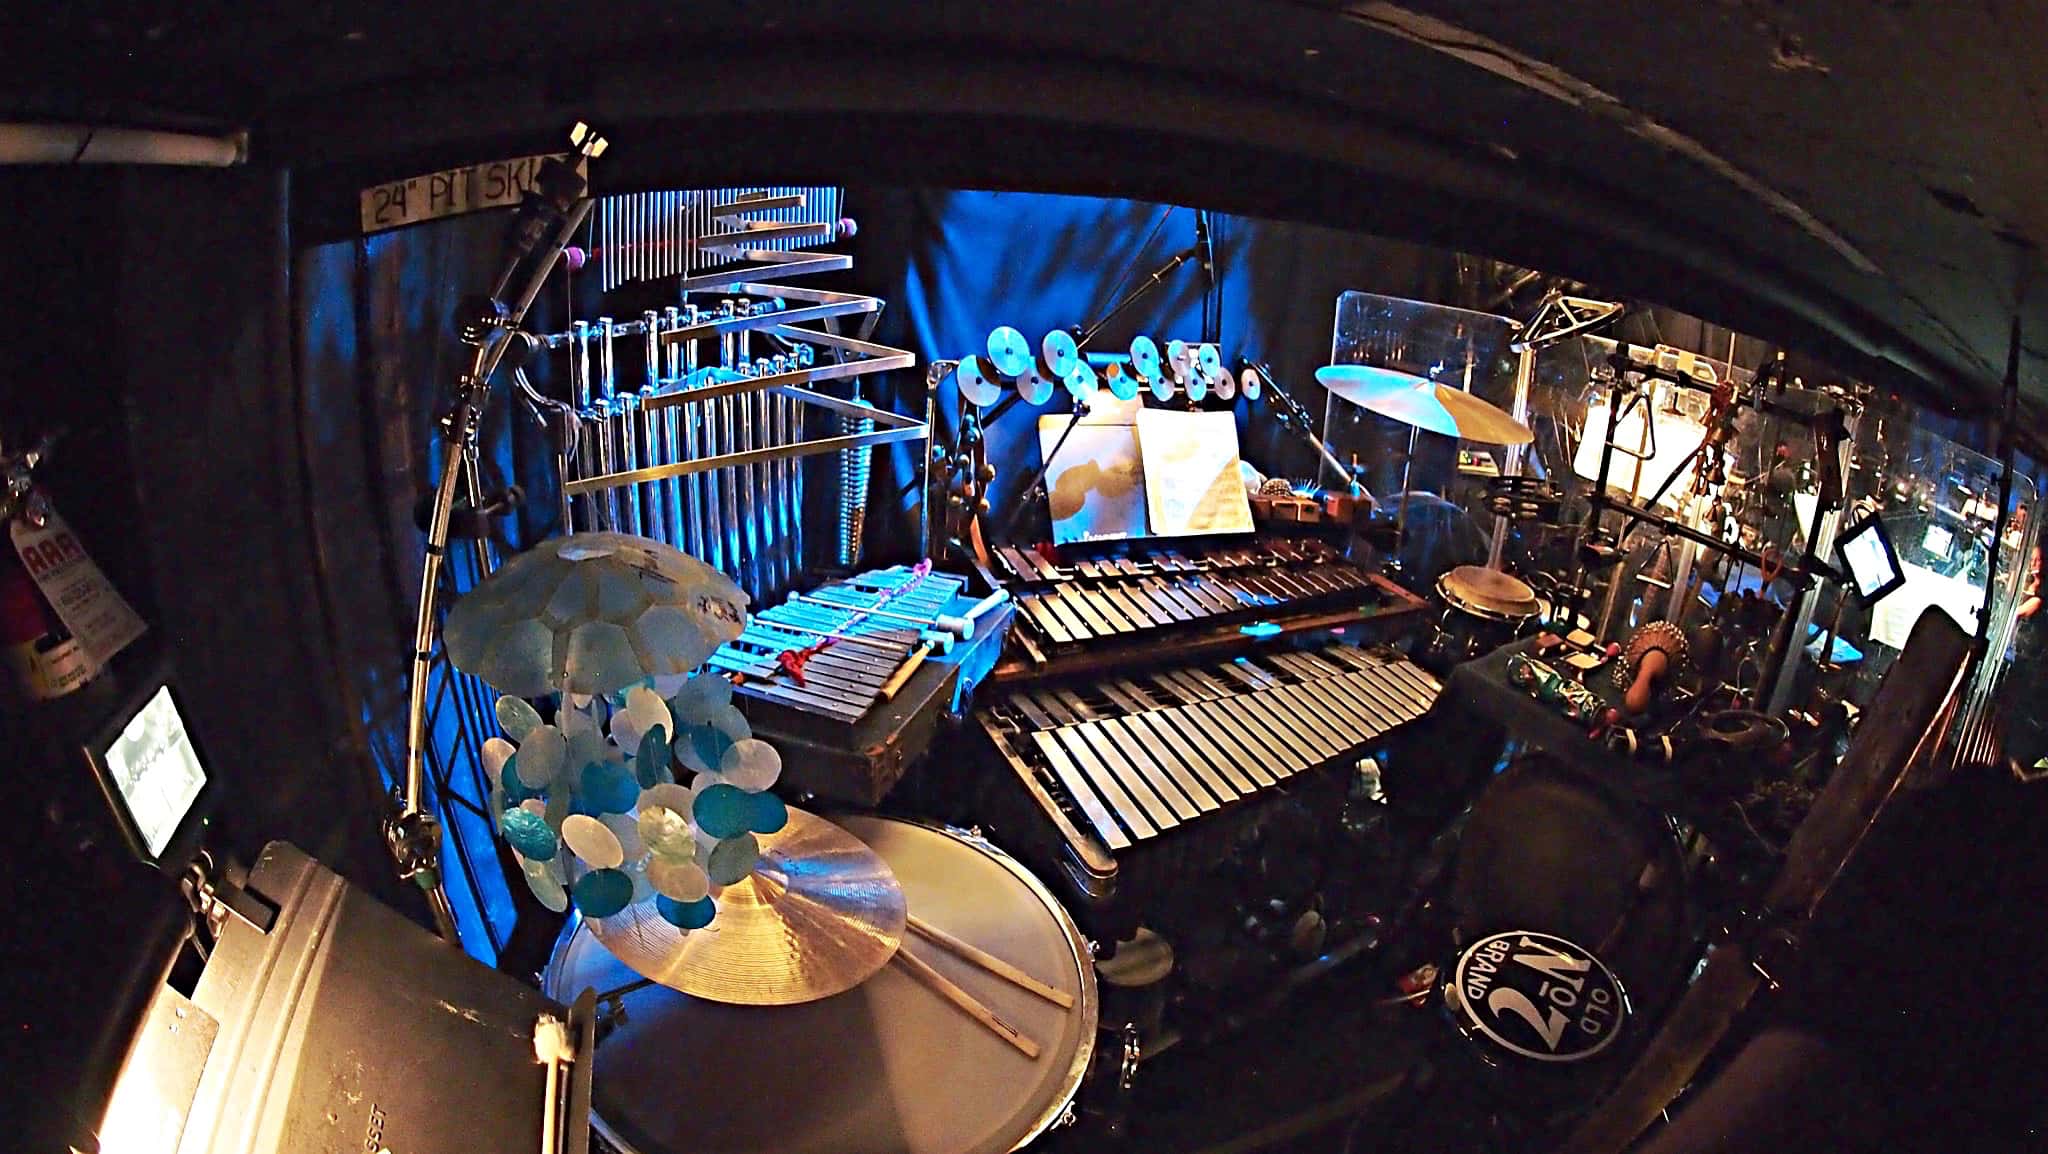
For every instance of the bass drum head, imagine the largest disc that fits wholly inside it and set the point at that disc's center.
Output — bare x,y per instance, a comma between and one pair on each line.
1547,850
888,1067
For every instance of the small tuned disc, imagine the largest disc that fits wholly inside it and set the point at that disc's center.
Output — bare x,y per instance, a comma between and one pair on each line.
1180,357
1008,351
1122,385
1249,384
1209,359
1081,382
1162,387
1145,358
1033,386
1197,385
1219,380
976,377
1062,355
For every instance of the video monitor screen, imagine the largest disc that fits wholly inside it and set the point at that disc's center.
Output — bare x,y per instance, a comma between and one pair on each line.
1873,564
1938,541
155,771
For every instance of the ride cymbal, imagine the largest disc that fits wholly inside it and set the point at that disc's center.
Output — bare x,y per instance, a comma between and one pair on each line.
1423,403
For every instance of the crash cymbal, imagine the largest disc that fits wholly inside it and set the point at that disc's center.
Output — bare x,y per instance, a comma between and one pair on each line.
1488,590
1423,403
819,915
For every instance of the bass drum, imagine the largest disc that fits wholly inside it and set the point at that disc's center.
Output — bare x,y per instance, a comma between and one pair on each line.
888,1067
1549,850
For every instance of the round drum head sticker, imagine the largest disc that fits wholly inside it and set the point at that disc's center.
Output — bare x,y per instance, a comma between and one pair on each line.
1539,996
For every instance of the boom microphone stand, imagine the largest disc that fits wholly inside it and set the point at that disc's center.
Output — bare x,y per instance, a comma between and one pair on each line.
553,209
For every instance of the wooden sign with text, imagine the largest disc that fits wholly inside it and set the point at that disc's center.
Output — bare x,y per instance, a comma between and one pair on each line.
452,192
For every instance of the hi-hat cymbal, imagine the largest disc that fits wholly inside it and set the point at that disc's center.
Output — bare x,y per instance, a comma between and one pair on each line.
820,914
1423,403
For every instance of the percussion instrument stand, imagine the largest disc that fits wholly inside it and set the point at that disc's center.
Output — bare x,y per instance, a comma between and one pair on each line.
1557,318
413,834
1401,516
1293,416
1525,371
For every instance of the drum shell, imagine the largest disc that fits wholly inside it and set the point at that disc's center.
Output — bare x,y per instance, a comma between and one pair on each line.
1545,848
1467,629
886,1067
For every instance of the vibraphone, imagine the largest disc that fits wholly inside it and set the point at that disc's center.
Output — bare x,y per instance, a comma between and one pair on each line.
1115,599
1126,762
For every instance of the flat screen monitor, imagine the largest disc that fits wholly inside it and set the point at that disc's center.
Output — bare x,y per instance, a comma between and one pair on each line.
153,776
1870,559
1938,540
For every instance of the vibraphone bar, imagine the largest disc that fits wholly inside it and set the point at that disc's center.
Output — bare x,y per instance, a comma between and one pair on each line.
838,682
1133,758
1090,601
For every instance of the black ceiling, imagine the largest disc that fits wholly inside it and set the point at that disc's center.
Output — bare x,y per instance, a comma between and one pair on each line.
1860,177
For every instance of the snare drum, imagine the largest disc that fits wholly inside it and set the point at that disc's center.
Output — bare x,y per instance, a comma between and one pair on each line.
887,1067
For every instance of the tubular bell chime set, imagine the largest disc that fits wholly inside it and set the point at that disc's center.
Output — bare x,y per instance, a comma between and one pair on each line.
703,449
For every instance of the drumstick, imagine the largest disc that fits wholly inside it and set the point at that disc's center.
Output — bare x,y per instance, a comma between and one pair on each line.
894,685
994,965
940,985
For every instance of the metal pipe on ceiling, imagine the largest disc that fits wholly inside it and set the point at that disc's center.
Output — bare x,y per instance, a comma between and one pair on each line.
63,144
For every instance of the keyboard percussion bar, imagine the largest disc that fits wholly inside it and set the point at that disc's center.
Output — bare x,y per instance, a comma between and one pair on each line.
1192,785
1083,792
1142,780
1134,803
653,494
607,441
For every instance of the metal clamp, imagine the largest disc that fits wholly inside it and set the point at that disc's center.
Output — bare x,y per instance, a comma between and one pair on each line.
1134,1053
214,900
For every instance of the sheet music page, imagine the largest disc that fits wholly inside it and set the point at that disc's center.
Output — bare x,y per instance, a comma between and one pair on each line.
1192,481
1095,489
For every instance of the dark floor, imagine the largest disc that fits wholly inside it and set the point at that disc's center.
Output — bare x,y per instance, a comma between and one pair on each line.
1306,1079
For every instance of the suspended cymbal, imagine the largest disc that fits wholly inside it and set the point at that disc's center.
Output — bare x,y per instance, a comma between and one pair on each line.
819,915
1423,403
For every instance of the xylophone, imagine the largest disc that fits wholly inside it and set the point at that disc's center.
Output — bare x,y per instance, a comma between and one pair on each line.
1129,761
1113,600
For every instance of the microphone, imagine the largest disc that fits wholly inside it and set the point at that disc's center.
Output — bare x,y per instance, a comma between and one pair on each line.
555,188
